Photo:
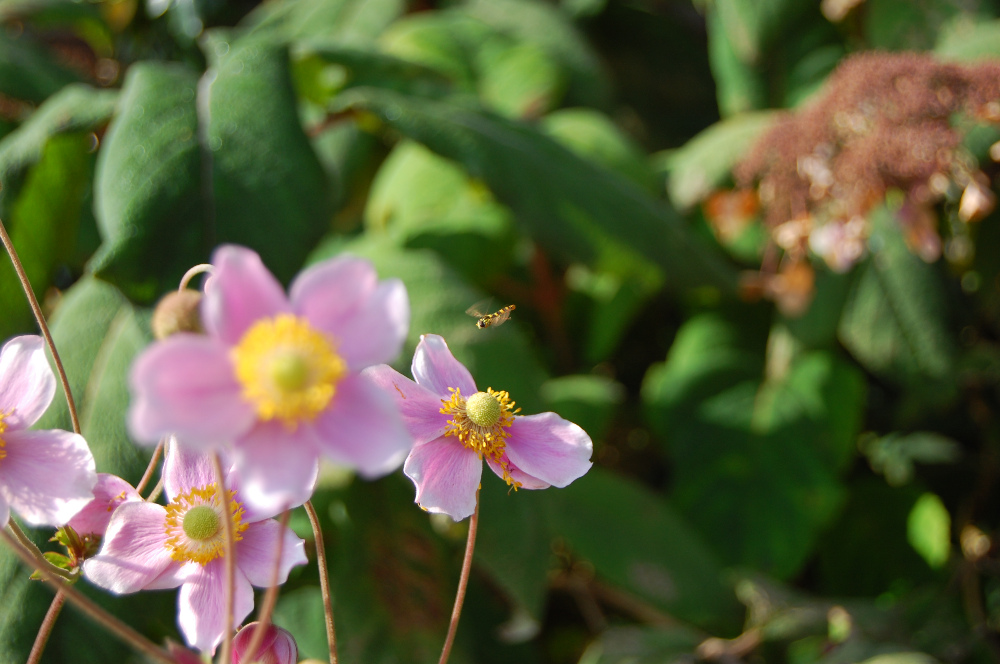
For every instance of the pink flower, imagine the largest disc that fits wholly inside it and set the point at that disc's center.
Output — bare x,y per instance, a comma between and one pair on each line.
454,427
45,476
275,377
109,492
277,647
149,547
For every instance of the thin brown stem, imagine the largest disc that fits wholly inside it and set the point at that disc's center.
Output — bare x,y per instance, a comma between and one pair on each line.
463,583
87,606
270,597
324,580
150,469
46,627
42,325
230,560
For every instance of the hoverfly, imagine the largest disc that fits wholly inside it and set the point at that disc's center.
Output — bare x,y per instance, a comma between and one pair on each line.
486,320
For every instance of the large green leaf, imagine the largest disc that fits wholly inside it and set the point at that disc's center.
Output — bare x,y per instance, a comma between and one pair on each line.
969,41
28,71
571,206
757,458
665,563
98,334
895,320
334,22
189,164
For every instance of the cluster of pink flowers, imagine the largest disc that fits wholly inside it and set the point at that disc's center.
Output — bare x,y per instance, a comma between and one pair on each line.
274,383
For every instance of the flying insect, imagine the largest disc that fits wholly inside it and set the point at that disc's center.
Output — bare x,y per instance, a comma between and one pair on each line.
486,320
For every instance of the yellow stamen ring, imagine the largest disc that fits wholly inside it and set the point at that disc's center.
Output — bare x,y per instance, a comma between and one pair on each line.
288,370
194,525
480,423
3,428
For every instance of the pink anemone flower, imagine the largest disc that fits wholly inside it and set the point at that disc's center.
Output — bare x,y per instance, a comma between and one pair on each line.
45,476
109,492
151,547
276,378
455,427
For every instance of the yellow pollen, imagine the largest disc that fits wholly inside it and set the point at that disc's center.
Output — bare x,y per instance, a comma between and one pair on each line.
3,428
194,525
480,423
288,370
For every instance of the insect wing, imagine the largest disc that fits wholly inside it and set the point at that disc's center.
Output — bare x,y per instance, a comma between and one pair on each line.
500,317
480,309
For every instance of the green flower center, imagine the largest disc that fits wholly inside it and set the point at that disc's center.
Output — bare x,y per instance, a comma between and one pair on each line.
483,409
201,523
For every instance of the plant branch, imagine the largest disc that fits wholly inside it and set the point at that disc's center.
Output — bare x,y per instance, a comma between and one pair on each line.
45,629
42,325
230,560
150,469
324,580
463,583
88,607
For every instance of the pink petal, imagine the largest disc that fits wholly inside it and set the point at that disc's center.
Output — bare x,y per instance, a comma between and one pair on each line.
435,368
526,481
277,468
185,385
420,408
185,469
201,605
446,475
175,574
47,476
363,429
549,448
133,554
109,492
369,320
255,552
240,292
27,383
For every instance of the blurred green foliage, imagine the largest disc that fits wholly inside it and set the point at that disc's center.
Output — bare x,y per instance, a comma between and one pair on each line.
817,485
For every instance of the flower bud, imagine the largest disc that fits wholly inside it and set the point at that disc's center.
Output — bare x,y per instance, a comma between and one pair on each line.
178,311
277,646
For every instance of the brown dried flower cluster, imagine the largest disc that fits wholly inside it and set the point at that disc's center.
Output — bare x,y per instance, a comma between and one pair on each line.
884,122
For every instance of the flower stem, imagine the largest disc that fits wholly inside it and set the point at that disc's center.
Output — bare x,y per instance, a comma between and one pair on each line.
150,469
87,606
35,552
46,627
270,597
463,583
42,325
324,580
230,559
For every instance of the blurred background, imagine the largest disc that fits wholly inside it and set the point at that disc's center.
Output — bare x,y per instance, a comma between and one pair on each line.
753,251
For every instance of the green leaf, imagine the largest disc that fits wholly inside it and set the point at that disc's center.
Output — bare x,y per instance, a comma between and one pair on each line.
188,165
757,459
593,136
565,203
705,162
895,318
334,22
969,40
750,26
928,530
98,334
666,563
28,72
739,86
900,25
518,80
895,455
425,201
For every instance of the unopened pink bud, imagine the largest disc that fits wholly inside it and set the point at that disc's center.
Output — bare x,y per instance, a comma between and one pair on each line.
277,646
